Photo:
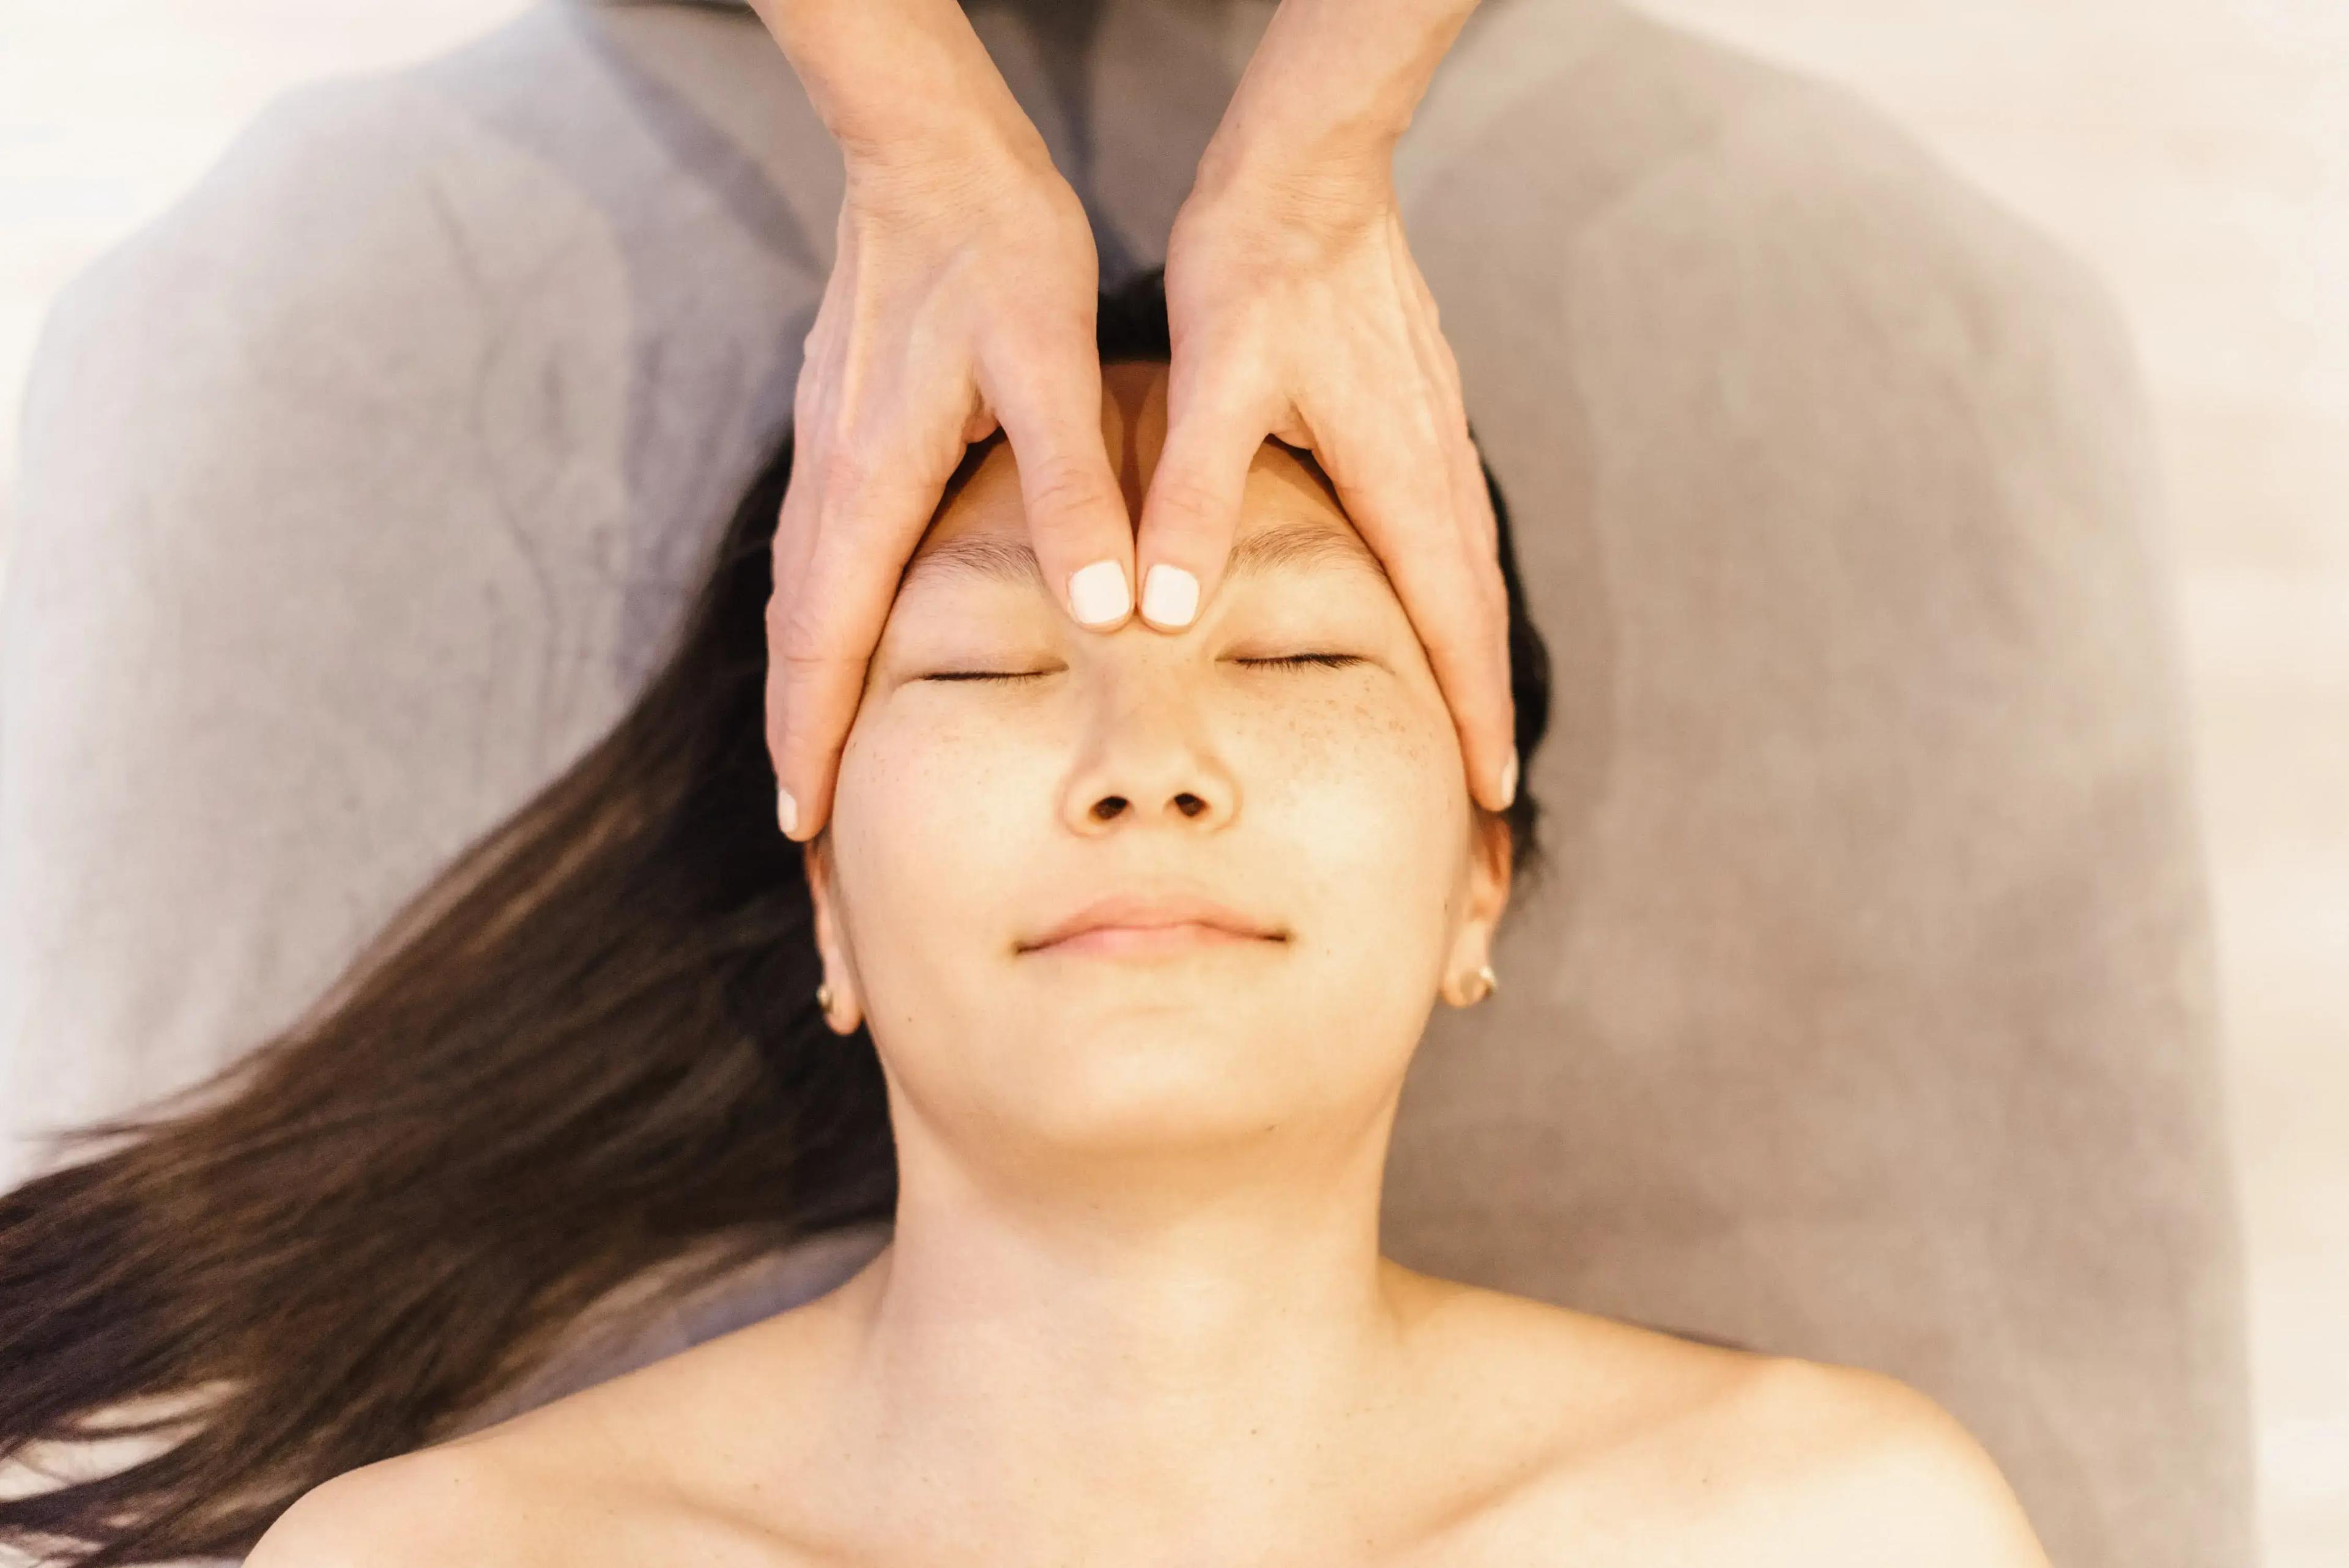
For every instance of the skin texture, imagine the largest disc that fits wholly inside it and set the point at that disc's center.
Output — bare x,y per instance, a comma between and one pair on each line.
962,302
1134,1310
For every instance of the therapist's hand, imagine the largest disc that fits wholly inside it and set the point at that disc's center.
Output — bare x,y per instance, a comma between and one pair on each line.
963,297
1298,313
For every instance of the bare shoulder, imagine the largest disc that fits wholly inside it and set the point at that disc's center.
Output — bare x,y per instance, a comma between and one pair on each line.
1663,1445
1894,1471
452,1504
1837,1465
603,1474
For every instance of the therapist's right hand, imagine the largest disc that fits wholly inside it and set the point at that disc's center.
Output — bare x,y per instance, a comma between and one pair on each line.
962,299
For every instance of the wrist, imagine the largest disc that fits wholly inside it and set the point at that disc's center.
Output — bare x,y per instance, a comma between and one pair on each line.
1331,88
1266,133
902,84
949,144
1334,173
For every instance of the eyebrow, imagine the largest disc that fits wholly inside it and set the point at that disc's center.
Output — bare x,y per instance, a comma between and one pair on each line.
1278,546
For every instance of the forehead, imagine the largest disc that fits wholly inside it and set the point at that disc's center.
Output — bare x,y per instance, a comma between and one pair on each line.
1290,516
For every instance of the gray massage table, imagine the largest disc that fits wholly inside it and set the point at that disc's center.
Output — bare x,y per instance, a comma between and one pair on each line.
1867,1013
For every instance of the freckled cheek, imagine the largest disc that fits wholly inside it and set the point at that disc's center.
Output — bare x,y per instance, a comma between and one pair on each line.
956,762
938,806
1370,787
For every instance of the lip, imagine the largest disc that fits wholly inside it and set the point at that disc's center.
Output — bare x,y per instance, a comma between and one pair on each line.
1136,922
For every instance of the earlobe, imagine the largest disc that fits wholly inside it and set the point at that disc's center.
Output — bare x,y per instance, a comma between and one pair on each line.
1489,874
1471,977
1467,986
838,995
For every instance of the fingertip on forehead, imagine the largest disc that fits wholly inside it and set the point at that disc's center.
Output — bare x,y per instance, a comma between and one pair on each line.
1285,485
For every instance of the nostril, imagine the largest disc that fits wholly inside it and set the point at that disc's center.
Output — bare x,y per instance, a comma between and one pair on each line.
1109,807
1190,804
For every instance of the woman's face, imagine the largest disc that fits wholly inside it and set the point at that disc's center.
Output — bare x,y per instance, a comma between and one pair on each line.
1324,806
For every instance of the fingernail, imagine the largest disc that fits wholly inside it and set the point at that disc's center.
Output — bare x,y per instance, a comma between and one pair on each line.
1509,780
1098,593
787,812
1170,596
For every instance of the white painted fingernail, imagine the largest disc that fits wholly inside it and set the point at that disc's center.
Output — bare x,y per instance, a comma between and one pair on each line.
787,812
1098,593
1170,596
1510,779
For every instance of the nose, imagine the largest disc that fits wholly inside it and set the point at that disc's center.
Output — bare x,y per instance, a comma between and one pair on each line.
1148,759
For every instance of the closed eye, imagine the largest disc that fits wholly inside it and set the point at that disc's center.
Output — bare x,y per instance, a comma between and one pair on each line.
988,675
1330,660
1291,661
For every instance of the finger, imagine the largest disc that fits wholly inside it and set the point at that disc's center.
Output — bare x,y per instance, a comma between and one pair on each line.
1480,541
839,551
1399,486
1214,427
1493,736
1077,523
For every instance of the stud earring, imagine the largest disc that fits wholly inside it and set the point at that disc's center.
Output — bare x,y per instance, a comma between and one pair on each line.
1487,983
823,997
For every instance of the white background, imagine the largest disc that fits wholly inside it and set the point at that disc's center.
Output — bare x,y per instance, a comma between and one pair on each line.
2196,152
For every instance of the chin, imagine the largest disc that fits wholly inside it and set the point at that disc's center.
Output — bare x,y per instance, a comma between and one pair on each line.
1158,1074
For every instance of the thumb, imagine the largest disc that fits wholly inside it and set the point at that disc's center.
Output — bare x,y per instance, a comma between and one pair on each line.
830,598
1077,521
1193,507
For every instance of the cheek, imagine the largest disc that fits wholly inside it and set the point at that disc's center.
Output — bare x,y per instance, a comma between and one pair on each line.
936,815
1363,792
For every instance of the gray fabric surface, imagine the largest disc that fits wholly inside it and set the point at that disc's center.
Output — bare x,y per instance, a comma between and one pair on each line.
1867,1014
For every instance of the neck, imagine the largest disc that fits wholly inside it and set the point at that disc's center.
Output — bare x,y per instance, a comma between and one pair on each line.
1158,1341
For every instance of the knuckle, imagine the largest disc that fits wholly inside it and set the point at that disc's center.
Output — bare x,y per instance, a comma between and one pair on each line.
1184,499
846,468
1061,487
799,640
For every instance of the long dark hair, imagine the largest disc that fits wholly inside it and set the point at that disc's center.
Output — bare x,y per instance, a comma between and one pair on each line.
587,1049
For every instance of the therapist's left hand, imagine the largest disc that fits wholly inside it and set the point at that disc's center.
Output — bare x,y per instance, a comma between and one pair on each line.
1298,313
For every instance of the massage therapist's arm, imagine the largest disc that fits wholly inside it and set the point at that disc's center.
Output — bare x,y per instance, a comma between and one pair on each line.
1298,312
962,298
